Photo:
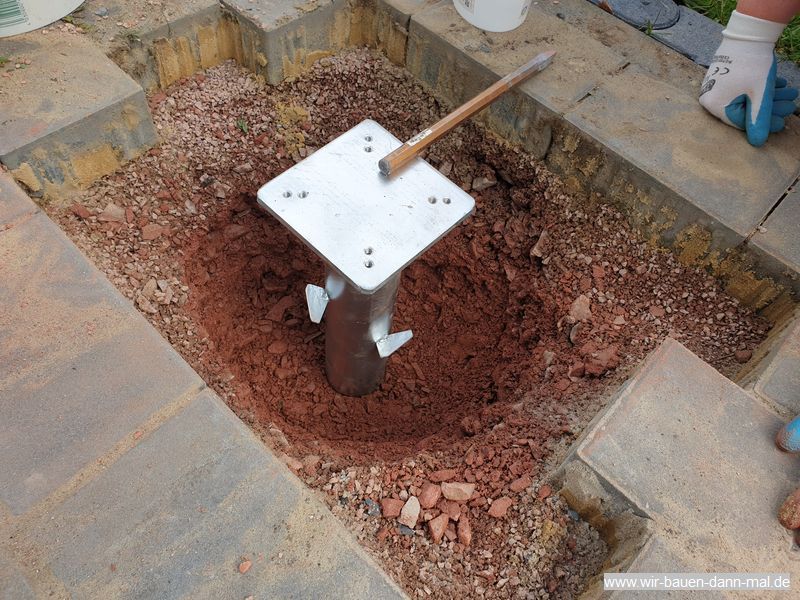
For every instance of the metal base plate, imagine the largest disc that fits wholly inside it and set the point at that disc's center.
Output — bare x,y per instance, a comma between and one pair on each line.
367,226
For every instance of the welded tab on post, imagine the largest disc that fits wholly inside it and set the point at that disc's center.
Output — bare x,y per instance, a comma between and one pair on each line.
389,344
317,300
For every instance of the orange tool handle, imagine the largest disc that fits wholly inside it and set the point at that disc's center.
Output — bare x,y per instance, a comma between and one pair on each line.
408,151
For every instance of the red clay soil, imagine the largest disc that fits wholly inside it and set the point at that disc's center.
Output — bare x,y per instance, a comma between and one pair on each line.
476,339
525,320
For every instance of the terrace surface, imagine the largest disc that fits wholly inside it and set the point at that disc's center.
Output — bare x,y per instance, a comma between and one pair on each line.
126,476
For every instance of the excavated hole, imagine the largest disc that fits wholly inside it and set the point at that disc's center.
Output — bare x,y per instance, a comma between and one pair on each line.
498,381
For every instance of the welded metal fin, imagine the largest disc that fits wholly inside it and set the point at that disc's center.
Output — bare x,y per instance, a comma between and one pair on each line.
389,343
317,300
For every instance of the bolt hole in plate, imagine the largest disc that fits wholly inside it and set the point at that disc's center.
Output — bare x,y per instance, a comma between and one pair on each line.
350,205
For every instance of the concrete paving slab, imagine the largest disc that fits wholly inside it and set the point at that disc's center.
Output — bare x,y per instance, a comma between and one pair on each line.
780,235
176,515
693,35
283,37
667,134
457,61
645,14
656,556
70,116
14,203
444,48
780,381
111,22
80,369
637,48
672,443
384,24
158,45
13,583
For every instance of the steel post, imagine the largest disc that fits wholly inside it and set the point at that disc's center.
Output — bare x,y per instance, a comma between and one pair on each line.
355,322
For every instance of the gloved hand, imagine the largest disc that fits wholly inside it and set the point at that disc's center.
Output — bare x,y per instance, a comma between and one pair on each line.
788,437
740,87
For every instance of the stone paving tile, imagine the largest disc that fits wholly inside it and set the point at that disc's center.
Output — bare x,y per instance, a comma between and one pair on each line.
658,14
176,515
780,381
694,35
624,93
70,116
695,452
290,36
14,203
13,583
669,136
160,44
658,557
780,236
637,48
112,21
79,368
388,27
439,32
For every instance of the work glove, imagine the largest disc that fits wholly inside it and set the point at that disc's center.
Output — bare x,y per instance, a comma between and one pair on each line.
741,87
788,437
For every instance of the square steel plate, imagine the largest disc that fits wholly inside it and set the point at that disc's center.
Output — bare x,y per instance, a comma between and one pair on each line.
366,225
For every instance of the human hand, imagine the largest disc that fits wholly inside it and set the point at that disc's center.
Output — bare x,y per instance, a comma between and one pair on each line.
788,437
741,87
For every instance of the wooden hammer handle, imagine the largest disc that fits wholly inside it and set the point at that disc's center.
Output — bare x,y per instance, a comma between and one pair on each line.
408,151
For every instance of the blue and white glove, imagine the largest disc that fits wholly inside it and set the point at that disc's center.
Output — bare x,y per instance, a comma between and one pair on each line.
740,87
788,437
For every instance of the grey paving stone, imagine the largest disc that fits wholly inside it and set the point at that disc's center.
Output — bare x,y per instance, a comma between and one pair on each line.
668,135
658,557
80,369
693,35
780,235
645,14
157,46
439,36
76,117
116,21
641,50
14,203
387,28
289,36
780,381
13,583
457,61
178,513
695,452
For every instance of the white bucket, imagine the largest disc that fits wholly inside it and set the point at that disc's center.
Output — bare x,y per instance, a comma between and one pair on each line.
19,16
494,15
